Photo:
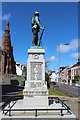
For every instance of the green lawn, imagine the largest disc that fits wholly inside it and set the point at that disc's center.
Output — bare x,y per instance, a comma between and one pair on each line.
56,92
20,93
51,92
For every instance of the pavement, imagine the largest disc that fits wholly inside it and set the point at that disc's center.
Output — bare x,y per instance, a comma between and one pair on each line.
55,115
73,103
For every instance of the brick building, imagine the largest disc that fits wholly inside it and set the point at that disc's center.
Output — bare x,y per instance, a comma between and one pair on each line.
61,73
75,70
8,62
64,75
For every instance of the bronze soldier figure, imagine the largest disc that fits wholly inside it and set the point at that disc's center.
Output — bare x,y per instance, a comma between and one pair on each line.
35,29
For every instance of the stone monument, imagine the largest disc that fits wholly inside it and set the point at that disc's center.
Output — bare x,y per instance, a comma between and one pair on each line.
36,92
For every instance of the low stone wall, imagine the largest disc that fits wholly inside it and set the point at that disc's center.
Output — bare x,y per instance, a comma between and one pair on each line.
12,79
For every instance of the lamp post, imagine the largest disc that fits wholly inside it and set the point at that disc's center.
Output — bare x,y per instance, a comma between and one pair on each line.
59,65
59,62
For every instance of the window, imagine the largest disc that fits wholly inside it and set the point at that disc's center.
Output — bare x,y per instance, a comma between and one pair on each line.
62,73
79,71
75,71
72,72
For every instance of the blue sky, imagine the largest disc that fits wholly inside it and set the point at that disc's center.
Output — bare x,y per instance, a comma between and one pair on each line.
61,26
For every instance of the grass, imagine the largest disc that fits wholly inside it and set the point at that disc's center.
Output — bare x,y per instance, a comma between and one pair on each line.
56,92
20,93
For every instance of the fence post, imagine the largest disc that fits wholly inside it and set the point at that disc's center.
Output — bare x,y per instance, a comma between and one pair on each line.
61,112
36,112
3,110
58,100
9,105
10,112
62,104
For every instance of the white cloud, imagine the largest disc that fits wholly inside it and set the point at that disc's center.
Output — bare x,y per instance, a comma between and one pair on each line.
73,45
75,55
52,58
6,16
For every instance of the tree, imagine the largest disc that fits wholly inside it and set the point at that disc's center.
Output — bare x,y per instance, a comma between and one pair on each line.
76,78
46,64
47,79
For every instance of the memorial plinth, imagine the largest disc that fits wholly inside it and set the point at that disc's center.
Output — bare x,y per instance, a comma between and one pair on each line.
35,92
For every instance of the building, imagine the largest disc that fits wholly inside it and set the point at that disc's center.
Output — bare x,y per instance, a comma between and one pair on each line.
75,71
0,58
61,73
0,62
69,76
64,76
50,72
8,62
21,69
79,69
54,77
1,48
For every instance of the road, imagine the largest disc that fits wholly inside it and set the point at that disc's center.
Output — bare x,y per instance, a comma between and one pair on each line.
70,89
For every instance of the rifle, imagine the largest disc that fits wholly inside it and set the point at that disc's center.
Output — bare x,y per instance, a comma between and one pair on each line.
41,35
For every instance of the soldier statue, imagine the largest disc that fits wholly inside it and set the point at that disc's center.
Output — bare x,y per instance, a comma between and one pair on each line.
35,29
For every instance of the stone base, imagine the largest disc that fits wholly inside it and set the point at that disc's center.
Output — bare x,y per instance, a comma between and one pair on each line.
21,104
35,94
36,101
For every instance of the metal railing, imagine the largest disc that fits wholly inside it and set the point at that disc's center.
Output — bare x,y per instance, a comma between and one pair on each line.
63,104
9,109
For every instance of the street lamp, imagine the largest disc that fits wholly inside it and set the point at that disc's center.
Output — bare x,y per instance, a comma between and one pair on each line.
59,62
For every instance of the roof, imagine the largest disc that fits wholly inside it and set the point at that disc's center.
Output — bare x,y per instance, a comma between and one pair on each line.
7,26
77,64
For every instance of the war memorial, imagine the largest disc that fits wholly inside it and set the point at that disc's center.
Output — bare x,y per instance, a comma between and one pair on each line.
35,102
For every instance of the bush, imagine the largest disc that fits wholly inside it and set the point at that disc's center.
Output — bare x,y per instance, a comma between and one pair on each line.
76,78
23,83
47,79
73,81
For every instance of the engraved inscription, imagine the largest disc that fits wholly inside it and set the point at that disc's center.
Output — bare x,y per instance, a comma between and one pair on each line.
34,85
36,71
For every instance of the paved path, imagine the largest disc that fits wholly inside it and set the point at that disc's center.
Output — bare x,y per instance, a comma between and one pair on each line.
72,102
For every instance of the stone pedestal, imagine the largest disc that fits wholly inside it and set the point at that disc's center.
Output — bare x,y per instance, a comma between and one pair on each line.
35,92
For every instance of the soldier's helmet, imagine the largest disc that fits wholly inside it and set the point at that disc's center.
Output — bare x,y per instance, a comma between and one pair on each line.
36,13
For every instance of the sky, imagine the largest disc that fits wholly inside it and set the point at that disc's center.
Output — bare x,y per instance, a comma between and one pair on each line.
61,27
